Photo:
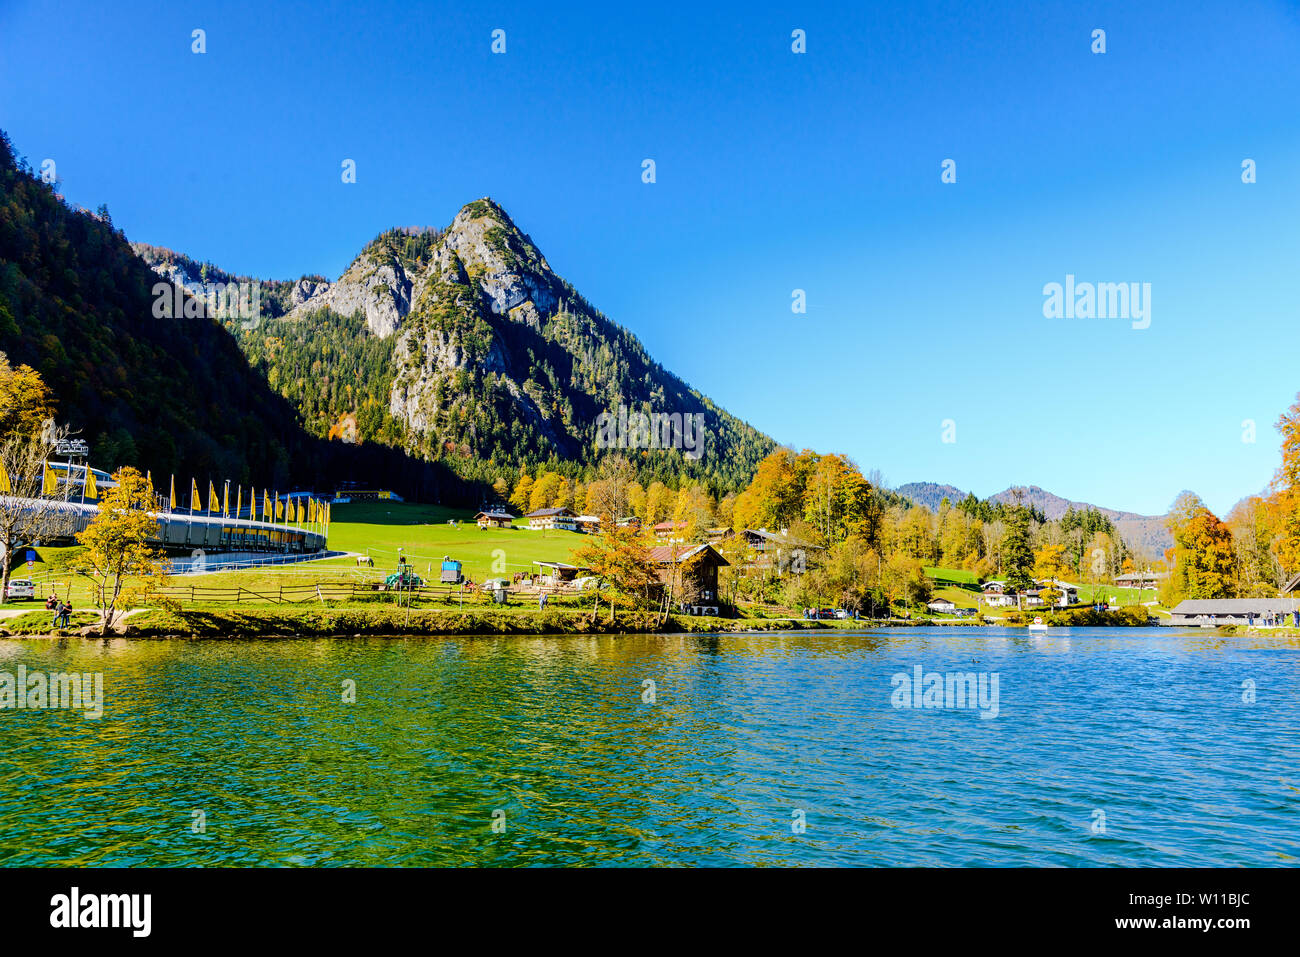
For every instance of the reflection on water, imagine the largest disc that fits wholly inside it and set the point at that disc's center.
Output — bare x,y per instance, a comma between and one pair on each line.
1147,726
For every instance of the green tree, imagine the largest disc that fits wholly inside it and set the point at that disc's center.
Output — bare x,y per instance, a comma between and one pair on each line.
1017,552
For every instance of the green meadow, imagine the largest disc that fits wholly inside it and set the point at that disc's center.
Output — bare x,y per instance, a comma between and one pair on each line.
422,533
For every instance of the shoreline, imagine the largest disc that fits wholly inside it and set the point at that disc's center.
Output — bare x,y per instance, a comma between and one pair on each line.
351,622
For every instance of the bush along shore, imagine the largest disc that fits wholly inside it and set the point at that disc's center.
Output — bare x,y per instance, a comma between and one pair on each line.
327,622
345,622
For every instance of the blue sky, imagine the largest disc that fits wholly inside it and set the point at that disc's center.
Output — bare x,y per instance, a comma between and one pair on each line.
775,171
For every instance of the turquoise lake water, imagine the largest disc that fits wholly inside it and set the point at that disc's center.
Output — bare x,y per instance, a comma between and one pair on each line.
1147,747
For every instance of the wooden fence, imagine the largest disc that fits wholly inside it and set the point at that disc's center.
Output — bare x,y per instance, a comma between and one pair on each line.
326,591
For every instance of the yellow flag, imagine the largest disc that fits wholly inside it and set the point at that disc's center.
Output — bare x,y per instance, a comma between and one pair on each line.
225,500
195,504
279,507
212,497
239,500
297,512
91,490
312,511
173,493
50,484
5,487
266,506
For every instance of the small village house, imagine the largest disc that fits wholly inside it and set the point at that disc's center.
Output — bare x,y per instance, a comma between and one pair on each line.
588,524
1069,593
692,573
670,531
1146,579
494,519
544,518
780,552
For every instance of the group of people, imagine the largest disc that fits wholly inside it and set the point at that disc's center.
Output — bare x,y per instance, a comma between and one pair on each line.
62,611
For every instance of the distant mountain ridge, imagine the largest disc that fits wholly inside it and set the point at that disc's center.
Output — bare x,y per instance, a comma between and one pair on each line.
1145,533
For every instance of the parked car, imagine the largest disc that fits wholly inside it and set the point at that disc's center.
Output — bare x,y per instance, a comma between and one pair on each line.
582,584
20,588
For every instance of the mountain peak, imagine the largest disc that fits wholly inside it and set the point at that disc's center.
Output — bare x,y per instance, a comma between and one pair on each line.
484,208
489,244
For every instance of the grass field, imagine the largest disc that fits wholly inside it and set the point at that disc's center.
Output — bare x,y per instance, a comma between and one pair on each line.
377,529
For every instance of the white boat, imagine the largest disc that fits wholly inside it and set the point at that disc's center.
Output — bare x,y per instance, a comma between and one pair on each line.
1038,625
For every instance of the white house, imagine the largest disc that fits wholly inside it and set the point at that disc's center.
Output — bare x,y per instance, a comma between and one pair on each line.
560,518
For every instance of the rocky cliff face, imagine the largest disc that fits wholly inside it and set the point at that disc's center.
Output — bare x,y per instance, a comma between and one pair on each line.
499,351
376,285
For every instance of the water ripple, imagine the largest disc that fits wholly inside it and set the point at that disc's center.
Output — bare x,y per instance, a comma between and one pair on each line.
750,735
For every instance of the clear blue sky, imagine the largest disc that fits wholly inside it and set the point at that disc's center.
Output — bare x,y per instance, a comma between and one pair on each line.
776,171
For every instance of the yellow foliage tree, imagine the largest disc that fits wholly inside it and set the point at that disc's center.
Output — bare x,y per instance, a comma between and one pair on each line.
117,559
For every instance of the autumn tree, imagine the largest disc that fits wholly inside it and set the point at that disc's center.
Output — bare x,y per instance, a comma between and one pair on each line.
776,495
659,503
838,501
28,437
1205,559
117,559
545,491
610,494
523,493
25,400
693,507
618,557
1050,562
852,571
1253,529
1286,492
903,578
